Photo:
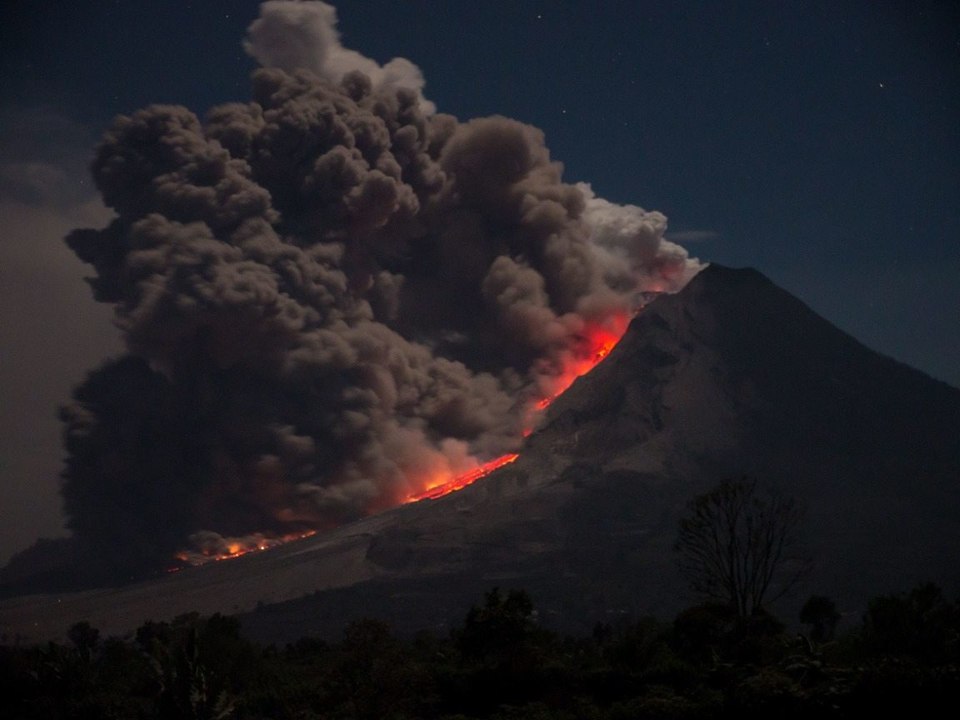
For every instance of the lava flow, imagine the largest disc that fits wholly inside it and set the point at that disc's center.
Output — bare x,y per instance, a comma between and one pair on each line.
596,343
461,481
229,548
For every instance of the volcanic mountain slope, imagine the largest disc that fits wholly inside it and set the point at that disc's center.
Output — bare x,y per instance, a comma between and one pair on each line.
731,376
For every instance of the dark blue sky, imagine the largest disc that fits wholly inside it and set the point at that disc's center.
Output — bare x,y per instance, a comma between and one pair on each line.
816,141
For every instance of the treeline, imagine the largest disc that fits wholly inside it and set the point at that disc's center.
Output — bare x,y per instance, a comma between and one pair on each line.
500,663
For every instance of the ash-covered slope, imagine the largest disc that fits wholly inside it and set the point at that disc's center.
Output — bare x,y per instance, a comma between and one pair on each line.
738,373
731,376
736,376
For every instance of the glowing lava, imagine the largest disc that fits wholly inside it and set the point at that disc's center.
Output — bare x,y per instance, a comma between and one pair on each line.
229,548
461,481
594,345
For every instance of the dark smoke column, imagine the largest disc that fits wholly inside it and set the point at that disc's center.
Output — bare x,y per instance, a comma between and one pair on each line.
329,295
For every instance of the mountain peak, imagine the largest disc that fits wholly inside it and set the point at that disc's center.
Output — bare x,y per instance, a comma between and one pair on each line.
734,346
731,376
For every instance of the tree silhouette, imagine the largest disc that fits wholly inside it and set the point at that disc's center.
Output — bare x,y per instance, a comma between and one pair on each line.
820,613
736,545
502,631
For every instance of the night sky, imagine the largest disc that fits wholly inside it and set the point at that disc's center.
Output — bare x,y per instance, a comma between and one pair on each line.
818,142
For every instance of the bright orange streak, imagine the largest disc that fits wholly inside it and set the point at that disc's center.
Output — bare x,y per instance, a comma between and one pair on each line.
595,344
461,481
235,547
597,341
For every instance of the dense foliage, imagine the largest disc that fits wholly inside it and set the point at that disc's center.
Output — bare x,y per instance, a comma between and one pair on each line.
501,663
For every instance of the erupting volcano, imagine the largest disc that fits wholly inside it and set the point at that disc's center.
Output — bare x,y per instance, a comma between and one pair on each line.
593,346
334,300
730,375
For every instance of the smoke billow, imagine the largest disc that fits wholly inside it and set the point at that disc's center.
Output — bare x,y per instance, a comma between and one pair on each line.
329,294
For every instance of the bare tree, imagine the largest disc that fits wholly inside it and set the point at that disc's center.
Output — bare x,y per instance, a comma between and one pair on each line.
737,545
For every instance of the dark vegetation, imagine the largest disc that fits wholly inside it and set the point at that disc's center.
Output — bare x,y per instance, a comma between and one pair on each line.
501,663
737,545
727,657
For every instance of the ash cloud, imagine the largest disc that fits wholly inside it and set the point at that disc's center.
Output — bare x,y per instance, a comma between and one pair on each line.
303,35
328,295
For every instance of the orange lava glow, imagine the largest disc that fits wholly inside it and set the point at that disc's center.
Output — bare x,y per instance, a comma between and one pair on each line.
461,481
595,344
235,547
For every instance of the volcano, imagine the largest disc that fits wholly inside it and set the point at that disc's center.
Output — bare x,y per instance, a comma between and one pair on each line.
731,376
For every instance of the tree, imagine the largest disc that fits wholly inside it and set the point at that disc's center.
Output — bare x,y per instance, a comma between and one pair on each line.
502,631
373,675
820,613
85,639
922,624
736,545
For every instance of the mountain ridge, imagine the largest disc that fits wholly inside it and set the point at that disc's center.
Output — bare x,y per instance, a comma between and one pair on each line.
731,376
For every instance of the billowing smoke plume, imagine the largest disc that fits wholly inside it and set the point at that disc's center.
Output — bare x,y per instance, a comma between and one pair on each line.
329,295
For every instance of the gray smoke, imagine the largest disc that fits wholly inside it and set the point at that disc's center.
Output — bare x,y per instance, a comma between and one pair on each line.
330,295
